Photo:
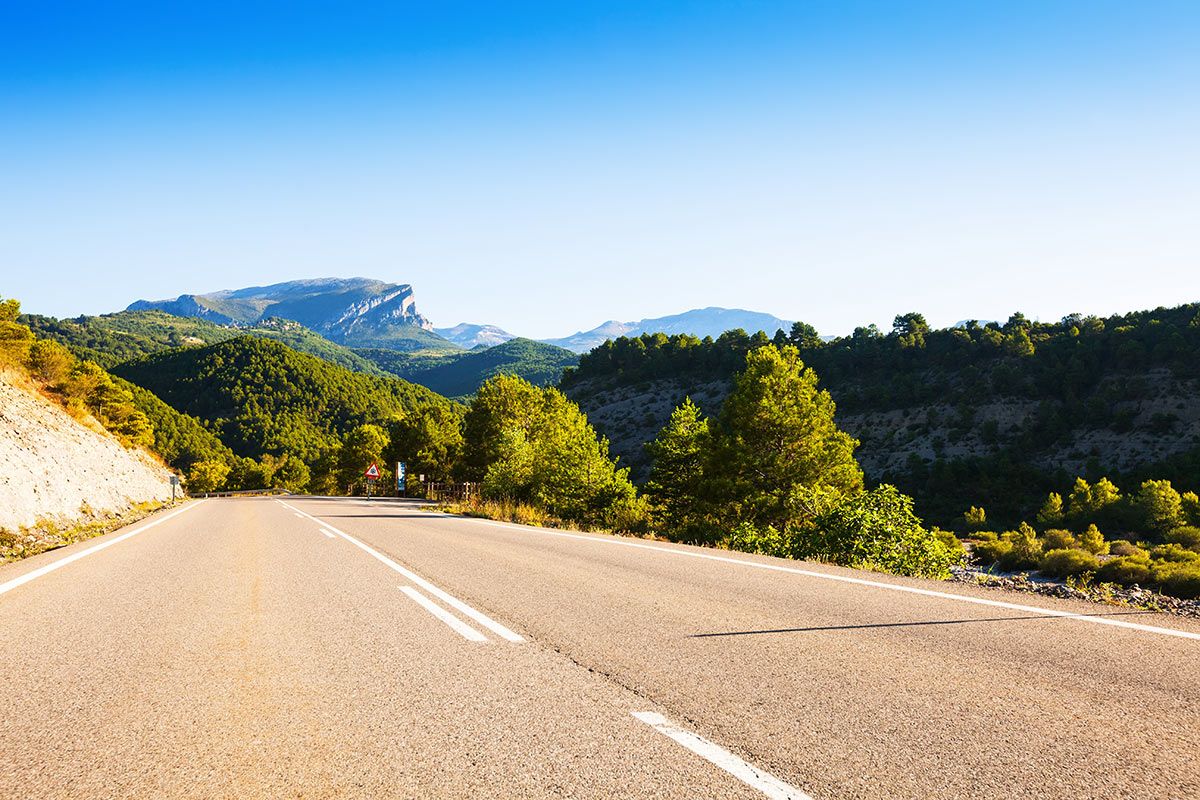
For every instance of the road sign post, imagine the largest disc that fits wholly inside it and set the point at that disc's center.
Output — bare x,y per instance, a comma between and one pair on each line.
401,478
372,475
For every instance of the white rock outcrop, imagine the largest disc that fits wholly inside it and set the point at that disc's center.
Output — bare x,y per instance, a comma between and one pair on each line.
51,465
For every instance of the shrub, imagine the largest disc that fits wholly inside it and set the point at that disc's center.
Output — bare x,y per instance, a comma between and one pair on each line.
1026,550
1062,562
1125,570
990,552
950,540
1187,536
878,530
1123,547
1174,553
1179,580
765,541
985,536
1092,540
1057,539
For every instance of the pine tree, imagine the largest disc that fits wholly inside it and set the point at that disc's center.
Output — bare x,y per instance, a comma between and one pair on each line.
778,440
676,484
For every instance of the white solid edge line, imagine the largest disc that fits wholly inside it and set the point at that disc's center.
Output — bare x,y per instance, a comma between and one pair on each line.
1051,612
445,597
459,627
750,775
62,562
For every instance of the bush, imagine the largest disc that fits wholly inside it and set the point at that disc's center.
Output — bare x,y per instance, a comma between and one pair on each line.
950,540
878,530
1174,553
1179,580
1057,539
1026,550
985,536
1092,540
764,541
1122,547
1125,570
1187,536
990,552
1061,562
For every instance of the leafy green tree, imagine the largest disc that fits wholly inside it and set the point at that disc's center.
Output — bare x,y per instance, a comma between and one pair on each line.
1160,506
429,441
910,329
207,476
290,473
777,437
364,445
50,362
803,335
1026,550
1079,501
535,446
15,338
677,479
1190,504
1051,512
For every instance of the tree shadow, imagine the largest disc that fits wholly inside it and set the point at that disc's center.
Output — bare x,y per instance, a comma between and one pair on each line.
867,626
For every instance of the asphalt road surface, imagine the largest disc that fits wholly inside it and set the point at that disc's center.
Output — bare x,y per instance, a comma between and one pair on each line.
302,647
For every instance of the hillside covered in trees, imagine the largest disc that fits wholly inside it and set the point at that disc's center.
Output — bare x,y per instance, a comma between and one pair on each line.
262,397
995,414
459,374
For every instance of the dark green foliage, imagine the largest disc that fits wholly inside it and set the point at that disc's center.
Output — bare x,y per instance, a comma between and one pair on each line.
429,441
263,397
1178,579
877,530
1126,570
1026,551
1083,372
179,439
460,373
988,553
111,339
676,487
1060,563
1187,536
533,445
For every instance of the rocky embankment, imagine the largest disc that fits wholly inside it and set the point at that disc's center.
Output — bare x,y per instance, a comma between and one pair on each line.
59,470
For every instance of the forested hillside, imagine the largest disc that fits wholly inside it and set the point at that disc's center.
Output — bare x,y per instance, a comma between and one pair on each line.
459,374
110,339
996,414
261,397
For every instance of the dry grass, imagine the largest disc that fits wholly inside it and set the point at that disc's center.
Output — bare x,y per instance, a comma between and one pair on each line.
50,534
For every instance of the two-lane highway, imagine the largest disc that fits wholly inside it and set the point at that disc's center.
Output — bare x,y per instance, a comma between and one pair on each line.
310,648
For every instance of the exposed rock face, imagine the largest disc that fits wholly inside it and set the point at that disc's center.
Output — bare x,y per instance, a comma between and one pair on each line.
343,309
51,465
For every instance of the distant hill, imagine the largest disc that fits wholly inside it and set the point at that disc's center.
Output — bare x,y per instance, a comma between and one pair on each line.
260,396
460,374
700,322
469,336
359,311
110,339
994,415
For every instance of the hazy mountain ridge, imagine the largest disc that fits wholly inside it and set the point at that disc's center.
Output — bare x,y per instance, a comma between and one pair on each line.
468,335
699,322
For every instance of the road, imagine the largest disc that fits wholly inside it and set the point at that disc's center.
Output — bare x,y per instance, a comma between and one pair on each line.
305,647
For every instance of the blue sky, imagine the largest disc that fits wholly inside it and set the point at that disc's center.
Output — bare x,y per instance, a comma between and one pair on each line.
547,166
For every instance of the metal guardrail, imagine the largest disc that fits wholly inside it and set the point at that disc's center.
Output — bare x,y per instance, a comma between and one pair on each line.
240,492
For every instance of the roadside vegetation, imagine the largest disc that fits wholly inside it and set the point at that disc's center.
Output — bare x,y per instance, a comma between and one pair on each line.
1153,540
50,534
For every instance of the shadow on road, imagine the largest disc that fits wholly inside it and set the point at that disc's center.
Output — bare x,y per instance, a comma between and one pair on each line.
907,624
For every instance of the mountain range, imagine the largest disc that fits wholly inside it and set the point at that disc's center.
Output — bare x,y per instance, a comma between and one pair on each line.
364,312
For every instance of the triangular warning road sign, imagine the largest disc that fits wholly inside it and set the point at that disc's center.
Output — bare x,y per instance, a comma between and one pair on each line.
372,471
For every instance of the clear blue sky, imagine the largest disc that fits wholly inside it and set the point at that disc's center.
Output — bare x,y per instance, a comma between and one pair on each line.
547,166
